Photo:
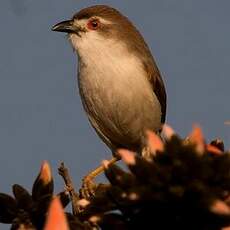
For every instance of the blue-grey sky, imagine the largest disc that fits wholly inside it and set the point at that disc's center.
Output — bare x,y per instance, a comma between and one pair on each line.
41,117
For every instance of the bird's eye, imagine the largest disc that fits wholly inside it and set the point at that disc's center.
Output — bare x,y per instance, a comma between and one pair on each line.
93,24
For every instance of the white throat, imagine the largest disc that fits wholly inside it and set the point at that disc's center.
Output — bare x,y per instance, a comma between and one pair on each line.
106,61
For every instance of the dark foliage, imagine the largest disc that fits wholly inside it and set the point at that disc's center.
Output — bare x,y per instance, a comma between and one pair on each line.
29,210
178,187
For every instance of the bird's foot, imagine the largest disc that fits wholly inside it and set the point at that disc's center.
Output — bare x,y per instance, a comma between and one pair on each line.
88,188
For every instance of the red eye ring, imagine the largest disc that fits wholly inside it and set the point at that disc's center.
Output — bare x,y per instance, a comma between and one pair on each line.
93,24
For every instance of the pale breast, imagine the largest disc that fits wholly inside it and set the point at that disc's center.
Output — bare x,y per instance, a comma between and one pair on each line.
117,96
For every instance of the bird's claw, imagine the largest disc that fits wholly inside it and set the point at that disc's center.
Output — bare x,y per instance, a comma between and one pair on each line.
88,188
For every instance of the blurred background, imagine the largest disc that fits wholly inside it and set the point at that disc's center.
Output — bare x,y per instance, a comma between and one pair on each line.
41,116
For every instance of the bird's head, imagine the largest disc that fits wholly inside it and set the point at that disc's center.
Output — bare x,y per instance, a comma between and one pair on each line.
101,26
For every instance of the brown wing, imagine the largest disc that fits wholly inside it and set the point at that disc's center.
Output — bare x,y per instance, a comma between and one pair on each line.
158,87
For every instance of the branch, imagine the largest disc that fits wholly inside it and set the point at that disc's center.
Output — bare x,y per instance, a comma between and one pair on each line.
64,173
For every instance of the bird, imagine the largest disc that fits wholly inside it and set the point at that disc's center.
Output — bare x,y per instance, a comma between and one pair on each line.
120,85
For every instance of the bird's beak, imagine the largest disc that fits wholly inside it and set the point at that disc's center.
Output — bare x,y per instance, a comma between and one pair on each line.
66,27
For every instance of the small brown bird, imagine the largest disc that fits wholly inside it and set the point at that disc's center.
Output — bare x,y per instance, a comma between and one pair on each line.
120,85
